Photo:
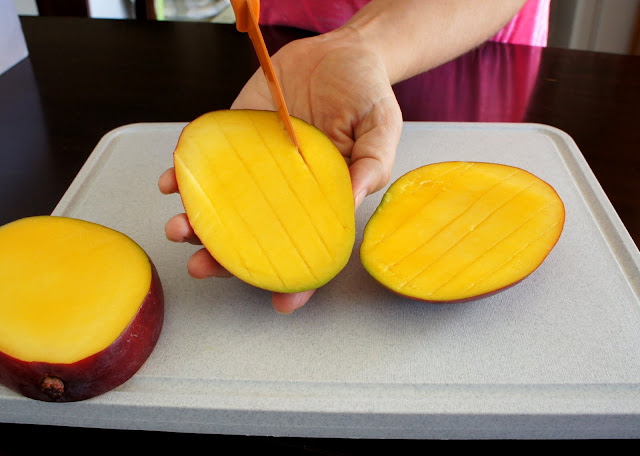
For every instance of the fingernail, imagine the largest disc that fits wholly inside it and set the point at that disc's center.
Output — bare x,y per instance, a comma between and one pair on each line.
284,313
360,197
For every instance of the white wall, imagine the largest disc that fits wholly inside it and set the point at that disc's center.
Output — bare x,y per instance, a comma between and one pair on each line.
26,7
108,9
594,25
614,26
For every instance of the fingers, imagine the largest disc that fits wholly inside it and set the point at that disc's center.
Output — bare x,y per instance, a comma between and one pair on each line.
202,265
374,150
367,175
178,229
167,183
286,303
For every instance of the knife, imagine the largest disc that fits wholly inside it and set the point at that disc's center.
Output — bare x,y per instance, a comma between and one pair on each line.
247,13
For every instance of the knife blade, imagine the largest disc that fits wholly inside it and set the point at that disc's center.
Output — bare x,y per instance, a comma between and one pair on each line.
247,14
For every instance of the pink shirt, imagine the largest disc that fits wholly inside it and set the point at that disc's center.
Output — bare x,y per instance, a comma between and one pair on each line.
530,26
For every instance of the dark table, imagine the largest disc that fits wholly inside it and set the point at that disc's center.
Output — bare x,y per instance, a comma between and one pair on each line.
85,77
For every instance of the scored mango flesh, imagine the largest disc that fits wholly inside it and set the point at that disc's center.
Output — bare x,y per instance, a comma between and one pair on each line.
278,218
68,288
457,230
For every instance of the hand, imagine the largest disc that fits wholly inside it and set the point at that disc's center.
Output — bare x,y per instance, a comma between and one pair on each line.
335,82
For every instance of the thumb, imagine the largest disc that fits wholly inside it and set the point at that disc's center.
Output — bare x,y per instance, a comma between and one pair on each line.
374,149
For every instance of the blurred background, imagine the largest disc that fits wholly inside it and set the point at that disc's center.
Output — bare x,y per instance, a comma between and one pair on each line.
170,10
593,25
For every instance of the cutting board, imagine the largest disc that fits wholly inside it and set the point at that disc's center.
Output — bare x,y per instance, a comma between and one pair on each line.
557,356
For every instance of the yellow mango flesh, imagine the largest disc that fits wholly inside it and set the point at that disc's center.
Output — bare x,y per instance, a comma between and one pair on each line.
68,288
276,217
458,230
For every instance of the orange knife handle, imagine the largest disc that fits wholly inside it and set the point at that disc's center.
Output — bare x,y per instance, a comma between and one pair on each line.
242,9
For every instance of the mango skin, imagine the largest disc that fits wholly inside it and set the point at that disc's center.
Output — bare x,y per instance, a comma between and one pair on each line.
98,373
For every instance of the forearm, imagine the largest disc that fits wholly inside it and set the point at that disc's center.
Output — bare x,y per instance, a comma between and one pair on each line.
412,36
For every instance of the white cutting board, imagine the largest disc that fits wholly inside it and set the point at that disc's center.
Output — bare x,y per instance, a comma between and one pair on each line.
557,356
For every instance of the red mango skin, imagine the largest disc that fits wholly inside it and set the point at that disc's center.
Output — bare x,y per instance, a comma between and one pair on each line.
100,372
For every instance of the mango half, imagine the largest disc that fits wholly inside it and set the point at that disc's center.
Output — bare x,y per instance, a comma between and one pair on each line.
81,308
276,217
457,231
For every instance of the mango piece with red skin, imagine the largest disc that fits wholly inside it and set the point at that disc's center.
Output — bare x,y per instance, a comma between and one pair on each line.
100,372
